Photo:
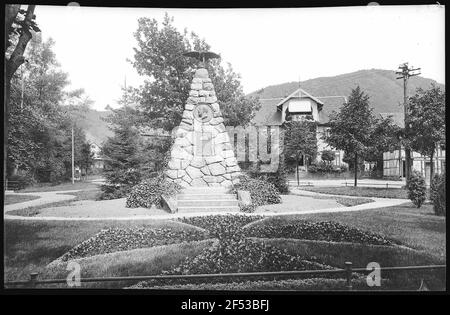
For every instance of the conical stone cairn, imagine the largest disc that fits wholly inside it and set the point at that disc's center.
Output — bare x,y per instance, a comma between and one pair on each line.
202,154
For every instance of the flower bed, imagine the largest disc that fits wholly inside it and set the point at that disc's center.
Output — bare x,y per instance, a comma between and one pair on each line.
120,239
221,225
320,231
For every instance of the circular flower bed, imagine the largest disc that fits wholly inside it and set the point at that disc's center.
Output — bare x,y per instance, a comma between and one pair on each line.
120,239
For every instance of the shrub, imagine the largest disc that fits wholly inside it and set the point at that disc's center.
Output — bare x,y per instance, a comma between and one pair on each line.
149,192
437,194
261,192
417,190
278,179
113,192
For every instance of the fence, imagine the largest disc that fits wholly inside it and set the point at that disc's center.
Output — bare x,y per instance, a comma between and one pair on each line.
348,270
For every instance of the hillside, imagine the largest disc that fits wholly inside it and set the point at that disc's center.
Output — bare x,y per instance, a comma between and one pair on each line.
96,129
386,93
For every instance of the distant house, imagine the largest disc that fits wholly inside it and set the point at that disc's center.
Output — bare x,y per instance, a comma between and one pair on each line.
302,105
394,164
99,159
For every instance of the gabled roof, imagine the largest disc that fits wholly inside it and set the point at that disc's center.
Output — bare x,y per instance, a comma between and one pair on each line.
268,115
296,94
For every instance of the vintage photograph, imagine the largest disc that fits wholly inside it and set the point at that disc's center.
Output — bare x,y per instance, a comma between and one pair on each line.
262,149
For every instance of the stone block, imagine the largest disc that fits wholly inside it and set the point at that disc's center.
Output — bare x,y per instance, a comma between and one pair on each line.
174,164
201,73
210,179
211,99
198,162
208,86
169,203
231,161
244,197
193,93
172,174
189,107
196,86
212,159
205,170
217,169
194,172
227,154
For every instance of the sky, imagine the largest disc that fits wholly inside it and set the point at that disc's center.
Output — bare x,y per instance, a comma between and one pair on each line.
265,46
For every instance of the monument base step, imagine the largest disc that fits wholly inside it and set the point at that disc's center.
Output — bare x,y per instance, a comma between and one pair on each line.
208,209
206,199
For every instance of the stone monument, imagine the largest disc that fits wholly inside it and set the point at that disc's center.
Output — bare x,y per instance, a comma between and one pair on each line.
202,154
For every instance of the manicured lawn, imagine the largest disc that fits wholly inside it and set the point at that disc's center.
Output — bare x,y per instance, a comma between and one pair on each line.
30,245
42,187
361,191
11,199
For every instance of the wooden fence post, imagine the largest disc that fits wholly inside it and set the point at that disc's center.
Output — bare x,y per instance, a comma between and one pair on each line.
33,279
348,268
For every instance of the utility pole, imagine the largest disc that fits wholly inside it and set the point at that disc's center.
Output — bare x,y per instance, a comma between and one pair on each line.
73,160
405,72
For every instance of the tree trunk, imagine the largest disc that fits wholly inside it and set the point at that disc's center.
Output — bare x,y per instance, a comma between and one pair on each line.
356,169
11,65
298,180
431,167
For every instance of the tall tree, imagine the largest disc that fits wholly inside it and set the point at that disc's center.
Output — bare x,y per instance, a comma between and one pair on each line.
351,128
40,136
300,140
19,24
427,118
159,56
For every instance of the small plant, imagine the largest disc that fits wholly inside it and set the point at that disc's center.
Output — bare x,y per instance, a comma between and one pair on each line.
437,194
417,190
149,192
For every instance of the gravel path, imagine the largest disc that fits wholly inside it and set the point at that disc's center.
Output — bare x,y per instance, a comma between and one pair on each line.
116,210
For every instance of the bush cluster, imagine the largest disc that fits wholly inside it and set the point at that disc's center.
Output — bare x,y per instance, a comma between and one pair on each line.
278,179
261,192
149,192
417,190
120,239
321,231
437,194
